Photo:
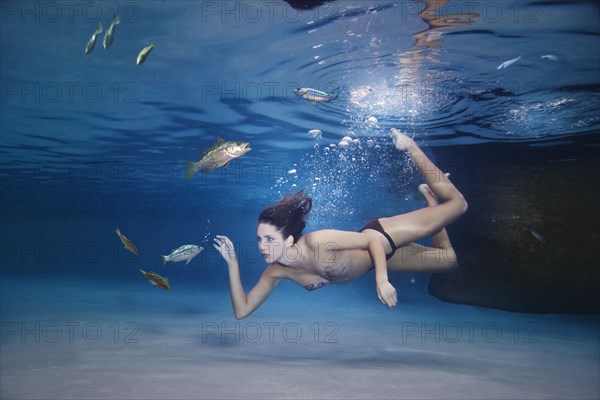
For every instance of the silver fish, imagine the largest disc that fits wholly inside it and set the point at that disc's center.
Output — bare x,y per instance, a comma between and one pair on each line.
219,155
156,280
508,63
537,234
92,42
551,57
109,36
144,53
314,95
185,252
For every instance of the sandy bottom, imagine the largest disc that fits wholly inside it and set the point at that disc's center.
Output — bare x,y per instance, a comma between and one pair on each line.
77,341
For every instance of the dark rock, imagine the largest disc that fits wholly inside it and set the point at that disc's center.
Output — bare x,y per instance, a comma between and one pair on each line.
530,240
306,4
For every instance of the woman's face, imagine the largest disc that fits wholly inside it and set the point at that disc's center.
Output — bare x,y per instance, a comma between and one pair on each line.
270,242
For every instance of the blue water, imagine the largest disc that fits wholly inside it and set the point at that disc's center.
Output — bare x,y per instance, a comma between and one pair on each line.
93,142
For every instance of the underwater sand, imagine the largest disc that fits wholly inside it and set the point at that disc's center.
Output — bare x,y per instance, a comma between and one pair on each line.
80,340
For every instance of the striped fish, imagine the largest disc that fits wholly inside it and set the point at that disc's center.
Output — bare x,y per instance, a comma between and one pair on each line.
156,280
183,253
127,244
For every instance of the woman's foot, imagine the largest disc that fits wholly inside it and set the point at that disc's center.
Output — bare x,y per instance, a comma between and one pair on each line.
401,141
429,196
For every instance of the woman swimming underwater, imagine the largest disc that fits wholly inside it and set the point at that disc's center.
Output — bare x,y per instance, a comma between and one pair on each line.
332,256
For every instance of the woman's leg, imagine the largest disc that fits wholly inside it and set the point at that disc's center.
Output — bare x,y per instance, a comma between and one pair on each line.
417,258
440,239
428,221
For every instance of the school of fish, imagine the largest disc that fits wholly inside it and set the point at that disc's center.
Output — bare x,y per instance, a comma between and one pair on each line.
183,253
109,38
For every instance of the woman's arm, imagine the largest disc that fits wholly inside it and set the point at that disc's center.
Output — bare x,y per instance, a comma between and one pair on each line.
244,305
344,240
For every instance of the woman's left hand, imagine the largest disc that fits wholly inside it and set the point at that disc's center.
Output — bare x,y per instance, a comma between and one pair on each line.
387,294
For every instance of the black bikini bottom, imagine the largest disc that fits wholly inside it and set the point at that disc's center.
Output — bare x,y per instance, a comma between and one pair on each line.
376,225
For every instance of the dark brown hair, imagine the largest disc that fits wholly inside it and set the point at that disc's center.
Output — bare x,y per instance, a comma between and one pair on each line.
288,215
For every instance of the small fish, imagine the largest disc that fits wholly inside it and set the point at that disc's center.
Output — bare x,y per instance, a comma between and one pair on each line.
551,57
144,53
156,280
219,155
537,234
508,63
185,252
109,36
314,95
127,244
92,42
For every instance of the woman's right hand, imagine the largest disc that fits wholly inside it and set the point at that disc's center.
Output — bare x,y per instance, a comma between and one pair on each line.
387,294
225,247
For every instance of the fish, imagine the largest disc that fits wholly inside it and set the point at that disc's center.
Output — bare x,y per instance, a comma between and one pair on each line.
314,95
219,155
537,234
109,36
92,42
156,280
508,63
144,53
185,252
127,244
550,57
